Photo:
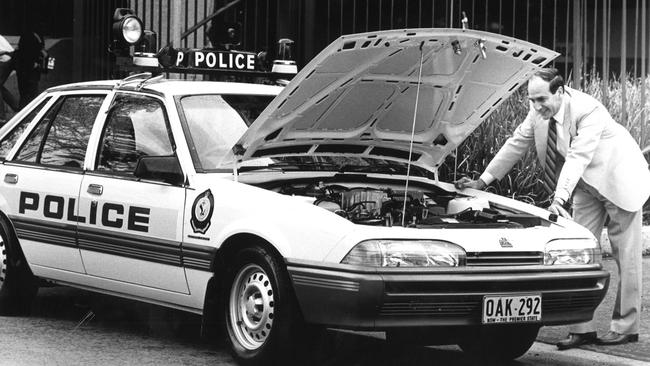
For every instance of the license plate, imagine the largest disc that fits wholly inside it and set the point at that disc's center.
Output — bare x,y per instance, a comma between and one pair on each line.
523,308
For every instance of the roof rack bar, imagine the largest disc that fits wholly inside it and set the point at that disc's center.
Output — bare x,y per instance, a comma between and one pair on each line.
143,76
149,80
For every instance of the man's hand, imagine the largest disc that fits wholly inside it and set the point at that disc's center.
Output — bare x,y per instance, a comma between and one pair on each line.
557,208
465,182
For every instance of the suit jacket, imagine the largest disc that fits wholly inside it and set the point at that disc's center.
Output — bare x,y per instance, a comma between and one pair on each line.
599,151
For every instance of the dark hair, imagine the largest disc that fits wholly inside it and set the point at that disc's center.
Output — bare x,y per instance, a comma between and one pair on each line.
552,76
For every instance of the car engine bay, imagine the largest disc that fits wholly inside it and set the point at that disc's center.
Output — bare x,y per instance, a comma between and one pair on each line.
388,205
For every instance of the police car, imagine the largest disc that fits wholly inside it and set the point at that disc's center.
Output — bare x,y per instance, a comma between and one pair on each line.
266,208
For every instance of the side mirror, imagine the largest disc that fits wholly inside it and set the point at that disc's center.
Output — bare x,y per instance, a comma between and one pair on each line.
161,168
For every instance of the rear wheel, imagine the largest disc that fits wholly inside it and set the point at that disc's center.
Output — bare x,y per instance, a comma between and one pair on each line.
17,284
262,317
499,343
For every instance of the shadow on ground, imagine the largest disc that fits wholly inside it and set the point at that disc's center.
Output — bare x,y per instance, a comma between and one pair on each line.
132,326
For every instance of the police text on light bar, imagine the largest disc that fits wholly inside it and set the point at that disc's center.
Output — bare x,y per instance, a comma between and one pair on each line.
215,60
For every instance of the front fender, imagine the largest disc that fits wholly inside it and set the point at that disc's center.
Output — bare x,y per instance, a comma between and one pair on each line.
304,239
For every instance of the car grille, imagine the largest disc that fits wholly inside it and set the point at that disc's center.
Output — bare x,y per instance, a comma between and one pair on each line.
473,287
470,306
504,258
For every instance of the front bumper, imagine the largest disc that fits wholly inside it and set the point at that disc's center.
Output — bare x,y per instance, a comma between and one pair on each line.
352,297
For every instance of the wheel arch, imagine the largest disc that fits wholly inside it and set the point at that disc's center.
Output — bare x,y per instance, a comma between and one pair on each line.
216,291
238,241
15,243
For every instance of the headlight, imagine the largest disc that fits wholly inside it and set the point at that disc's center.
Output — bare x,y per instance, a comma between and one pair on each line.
406,253
572,251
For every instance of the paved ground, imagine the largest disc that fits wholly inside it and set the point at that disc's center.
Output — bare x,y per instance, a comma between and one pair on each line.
640,350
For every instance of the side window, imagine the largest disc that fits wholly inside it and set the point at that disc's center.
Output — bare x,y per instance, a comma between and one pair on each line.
10,138
136,126
61,137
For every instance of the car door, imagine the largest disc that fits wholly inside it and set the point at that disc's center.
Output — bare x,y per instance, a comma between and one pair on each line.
41,184
134,227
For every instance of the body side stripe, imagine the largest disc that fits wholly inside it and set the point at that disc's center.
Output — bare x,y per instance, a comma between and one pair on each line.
43,231
114,243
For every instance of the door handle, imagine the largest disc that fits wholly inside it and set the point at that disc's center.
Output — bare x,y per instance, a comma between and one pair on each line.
11,178
95,189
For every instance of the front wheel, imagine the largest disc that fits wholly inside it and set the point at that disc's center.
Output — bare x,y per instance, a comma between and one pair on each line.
262,318
499,343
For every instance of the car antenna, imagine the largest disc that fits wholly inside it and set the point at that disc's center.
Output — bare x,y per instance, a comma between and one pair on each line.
415,114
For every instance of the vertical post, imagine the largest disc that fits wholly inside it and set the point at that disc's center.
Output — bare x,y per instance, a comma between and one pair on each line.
487,4
555,28
593,65
605,53
566,40
433,14
451,15
307,46
176,28
609,30
636,36
176,22
77,39
541,20
500,15
643,74
577,45
585,42
623,62
514,12
527,18
286,12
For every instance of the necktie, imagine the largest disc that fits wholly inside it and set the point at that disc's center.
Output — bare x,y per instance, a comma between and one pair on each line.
554,160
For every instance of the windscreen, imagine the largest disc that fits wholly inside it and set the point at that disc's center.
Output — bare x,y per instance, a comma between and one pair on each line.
216,122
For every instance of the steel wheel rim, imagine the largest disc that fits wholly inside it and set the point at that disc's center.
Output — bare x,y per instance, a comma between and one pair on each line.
251,307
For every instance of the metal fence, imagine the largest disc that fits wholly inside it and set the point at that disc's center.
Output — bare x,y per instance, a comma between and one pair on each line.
606,38
592,35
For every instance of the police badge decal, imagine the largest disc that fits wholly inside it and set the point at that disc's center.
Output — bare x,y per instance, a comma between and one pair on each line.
202,212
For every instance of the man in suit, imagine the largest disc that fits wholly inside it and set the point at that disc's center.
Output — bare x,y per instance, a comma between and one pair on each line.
594,162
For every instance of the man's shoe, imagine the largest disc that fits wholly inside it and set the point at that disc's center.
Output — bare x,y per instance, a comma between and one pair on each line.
577,339
612,338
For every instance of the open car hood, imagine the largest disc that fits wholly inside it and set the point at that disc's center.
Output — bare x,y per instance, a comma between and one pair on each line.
358,96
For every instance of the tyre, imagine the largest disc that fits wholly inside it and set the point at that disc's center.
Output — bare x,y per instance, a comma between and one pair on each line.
17,284
262,319
499,343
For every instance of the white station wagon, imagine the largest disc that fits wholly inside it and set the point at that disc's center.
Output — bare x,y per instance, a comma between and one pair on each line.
266,209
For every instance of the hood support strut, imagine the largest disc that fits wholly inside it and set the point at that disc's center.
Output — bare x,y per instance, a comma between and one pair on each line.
415,114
